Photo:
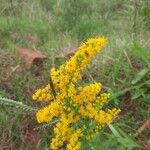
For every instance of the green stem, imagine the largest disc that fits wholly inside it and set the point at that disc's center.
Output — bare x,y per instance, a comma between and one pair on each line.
11,102
46,125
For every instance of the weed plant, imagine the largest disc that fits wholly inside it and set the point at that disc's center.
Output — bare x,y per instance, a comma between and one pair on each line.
52,26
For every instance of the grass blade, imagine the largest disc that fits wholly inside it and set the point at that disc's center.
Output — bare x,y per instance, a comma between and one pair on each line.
140,75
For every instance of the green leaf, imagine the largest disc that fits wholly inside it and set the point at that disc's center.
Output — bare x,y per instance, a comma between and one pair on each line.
2,93
114,131
141,53
140,75
124,139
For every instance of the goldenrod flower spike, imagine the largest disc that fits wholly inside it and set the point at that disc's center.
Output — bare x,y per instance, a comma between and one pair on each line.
76,107
43,94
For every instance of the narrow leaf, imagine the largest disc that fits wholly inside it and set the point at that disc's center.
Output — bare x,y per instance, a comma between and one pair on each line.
140,75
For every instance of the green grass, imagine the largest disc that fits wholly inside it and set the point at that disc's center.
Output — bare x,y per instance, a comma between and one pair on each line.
52,26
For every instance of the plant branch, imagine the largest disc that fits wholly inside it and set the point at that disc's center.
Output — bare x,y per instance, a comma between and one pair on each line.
16,104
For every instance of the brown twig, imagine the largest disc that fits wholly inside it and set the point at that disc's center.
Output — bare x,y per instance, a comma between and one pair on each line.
145,145
144,125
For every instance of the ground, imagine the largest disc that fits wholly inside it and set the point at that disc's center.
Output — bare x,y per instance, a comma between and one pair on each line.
54,27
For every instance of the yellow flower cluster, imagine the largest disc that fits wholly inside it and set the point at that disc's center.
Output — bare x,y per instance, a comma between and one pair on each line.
43,94
49,112
78,108
63,132
70,72
74,143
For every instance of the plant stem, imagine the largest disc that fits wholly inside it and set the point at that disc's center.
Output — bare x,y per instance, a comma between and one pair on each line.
11,102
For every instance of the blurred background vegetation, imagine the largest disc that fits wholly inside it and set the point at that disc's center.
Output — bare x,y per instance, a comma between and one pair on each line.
53,26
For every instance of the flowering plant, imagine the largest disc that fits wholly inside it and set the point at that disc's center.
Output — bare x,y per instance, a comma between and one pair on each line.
79,109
